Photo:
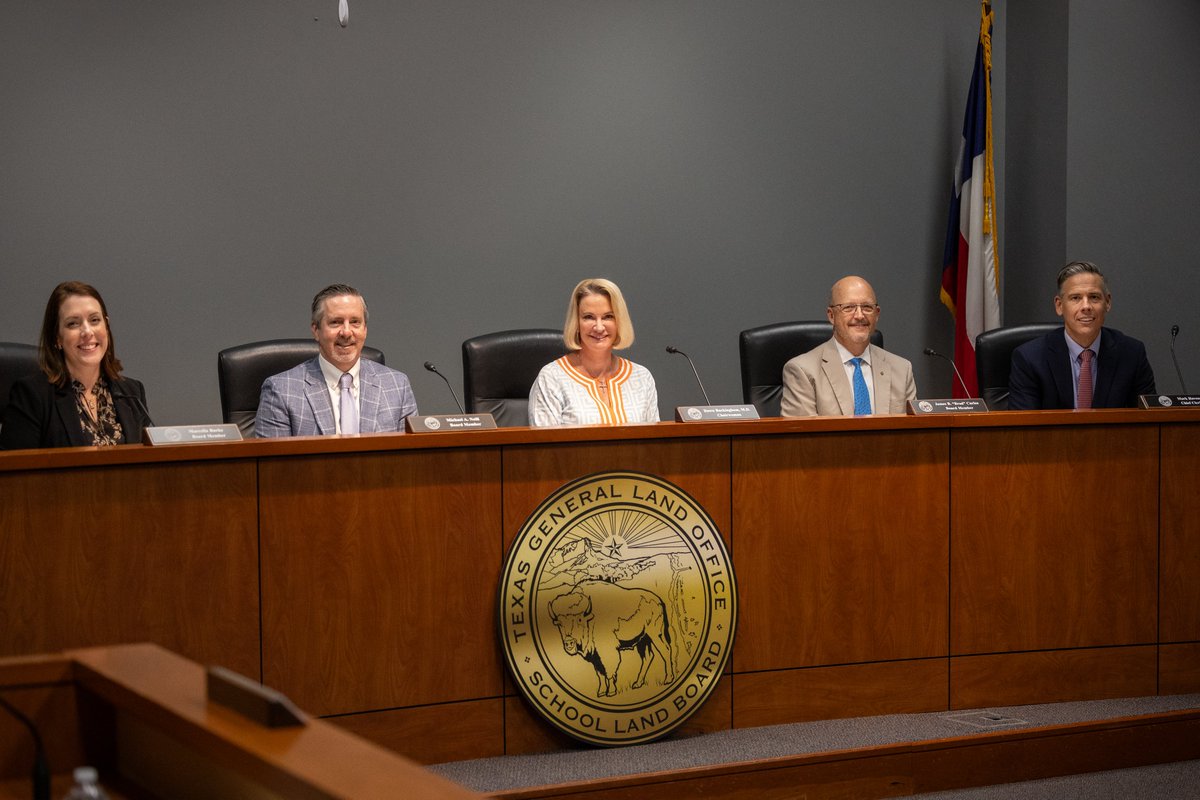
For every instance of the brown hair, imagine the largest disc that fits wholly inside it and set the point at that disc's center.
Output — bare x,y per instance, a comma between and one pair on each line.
335,290
50,356
1079,268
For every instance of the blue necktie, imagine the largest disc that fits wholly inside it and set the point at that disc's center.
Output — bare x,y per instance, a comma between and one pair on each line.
862,398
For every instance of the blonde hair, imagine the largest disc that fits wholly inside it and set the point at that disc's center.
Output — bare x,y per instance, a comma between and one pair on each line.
605,288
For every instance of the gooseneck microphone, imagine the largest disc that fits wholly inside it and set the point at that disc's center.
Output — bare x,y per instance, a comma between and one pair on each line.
118,394
675,350
41,767
429,366
1178,372
929,351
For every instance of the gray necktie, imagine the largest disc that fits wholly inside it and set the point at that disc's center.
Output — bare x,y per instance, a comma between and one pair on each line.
349,408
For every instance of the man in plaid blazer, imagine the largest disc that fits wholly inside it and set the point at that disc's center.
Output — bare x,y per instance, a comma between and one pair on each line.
336,392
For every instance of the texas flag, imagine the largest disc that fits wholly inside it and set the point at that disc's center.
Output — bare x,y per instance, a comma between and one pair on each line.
970,267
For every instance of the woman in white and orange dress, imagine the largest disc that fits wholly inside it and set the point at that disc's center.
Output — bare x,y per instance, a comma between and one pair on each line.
591,384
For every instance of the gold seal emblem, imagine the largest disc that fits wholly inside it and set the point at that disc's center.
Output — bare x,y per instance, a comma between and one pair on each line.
618,607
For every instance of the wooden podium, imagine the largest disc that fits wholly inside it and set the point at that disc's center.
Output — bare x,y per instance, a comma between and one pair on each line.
140,715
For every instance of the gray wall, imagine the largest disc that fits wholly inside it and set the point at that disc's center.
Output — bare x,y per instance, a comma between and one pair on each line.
1102,164
209,166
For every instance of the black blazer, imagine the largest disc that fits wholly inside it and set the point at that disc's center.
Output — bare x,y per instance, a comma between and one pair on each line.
40,414
1041,373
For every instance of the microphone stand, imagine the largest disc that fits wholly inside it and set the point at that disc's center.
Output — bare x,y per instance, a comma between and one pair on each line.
675,350
1178,372
41,767
429,366
931,352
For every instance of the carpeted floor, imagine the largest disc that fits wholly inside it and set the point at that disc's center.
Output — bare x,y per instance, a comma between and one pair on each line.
749,744
1177,781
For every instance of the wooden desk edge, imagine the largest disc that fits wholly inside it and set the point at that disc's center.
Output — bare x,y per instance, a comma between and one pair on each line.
167,692
63,458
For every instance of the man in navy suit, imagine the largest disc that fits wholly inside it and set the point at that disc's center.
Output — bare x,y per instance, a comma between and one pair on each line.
1085,365
336,392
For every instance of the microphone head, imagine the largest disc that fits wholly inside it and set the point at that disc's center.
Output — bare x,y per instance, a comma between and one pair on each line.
429,366
1174,331
929,351
672,349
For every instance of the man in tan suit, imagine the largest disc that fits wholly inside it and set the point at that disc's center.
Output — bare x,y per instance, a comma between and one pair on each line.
848,375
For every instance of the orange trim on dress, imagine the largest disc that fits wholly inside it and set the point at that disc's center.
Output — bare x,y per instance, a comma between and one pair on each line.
612,412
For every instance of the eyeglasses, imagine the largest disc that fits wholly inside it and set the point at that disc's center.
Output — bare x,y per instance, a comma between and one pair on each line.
848,309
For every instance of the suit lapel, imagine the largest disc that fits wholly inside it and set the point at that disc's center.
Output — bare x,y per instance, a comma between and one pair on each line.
124,410
68,414
1103,376
1058,359
317,395
883,381
369,394
835,373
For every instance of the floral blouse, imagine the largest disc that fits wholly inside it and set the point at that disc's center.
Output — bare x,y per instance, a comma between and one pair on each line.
105,430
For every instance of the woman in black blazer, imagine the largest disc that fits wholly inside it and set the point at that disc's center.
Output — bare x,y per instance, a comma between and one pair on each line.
79,398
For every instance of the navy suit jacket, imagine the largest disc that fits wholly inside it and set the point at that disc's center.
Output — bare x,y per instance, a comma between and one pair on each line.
296,402
40,414
1041,373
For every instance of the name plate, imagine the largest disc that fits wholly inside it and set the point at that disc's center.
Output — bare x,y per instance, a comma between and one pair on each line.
191,434
1170,400
251,699
448,422
964,406
714,413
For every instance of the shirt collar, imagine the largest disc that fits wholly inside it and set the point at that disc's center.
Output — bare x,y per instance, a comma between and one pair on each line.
1075,348
333,375
846,355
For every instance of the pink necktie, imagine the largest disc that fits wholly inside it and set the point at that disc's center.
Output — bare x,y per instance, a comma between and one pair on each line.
1084,394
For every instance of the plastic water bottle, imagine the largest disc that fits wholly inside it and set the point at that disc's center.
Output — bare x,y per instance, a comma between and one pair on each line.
87,785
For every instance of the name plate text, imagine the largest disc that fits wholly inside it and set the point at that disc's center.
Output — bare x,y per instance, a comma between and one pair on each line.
191,434
961,406
1170,400
448,422
714,413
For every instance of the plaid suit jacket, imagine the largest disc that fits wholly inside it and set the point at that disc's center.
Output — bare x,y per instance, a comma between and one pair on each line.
296,402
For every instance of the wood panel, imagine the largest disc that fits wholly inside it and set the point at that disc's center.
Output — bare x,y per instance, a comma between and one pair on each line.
161,552
841,548
1009,679
434,734
1054,538
1179,560
857,690
699,467
53,710
1179,668
526,732
379,578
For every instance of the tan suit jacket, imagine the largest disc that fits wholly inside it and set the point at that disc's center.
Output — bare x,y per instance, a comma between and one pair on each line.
815,383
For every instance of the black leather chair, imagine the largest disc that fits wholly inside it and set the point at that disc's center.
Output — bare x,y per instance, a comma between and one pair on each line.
764,351
241,371
499,370
16,361
993,359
